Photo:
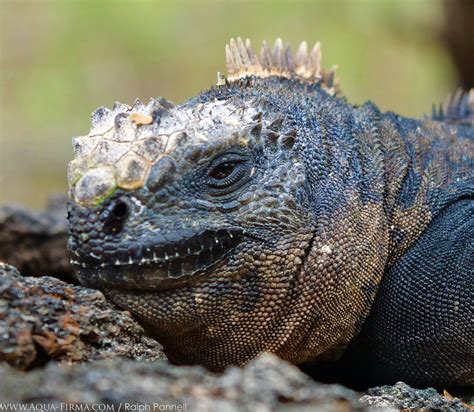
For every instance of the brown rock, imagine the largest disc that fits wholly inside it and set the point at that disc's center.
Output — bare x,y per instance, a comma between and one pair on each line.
44,318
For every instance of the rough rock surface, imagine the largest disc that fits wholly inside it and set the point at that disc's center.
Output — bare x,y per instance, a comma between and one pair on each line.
402,396
45,318
35,242
265,384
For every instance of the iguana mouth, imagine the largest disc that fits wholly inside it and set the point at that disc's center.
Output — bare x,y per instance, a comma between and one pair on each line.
159,262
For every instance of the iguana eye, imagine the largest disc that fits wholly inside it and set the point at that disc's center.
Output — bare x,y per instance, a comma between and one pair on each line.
227,174
223,170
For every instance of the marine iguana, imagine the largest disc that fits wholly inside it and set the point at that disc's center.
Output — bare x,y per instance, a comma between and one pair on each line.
269,214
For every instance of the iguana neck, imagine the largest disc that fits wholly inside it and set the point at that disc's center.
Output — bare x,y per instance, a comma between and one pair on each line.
424,172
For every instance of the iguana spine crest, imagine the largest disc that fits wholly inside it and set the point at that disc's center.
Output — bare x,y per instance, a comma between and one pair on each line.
242,61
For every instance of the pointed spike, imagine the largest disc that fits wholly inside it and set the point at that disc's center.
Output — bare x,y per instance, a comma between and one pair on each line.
278,55
440,109
236,55
329,77
251,53
122,107
446,104
231,67
289,61
153,104
287,141
137,104
243,53
330,82
266,57
262,103
314,60
256,129
458,95
464,99
276,124
301,56
278,44
242,61
258,117
271,136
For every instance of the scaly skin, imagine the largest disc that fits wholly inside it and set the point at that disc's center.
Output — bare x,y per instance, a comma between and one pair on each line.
268,214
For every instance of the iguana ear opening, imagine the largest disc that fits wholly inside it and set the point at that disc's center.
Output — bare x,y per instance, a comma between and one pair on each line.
242,61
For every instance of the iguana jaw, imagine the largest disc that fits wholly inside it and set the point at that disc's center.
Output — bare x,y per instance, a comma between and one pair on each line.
161,262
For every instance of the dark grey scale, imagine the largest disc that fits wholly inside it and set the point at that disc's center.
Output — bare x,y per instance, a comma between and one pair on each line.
218,248
135,252
175,269
228,206
99,114
173,237
148,249
227,242
165,196
189,264
109,246
185,244
93,248
86,248
169,250
204,258
120,120
123,252
89,260
206,239
194,243
158,114
110,256
165,103
160,173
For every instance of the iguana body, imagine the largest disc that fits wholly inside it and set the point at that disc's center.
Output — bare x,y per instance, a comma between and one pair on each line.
268,214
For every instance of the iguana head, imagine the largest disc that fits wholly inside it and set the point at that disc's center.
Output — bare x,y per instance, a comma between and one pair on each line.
197,218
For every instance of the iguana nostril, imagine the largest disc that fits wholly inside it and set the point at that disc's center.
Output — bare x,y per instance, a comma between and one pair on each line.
115,216
120,210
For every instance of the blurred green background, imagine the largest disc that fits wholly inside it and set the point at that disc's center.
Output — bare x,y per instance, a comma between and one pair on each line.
62,59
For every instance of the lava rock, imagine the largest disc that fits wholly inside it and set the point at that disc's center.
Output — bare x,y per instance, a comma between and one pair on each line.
45,318
36,242
402,396
265,384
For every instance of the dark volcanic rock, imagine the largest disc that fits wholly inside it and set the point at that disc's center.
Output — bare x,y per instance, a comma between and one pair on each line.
265,384
45,318
402,396
35,242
